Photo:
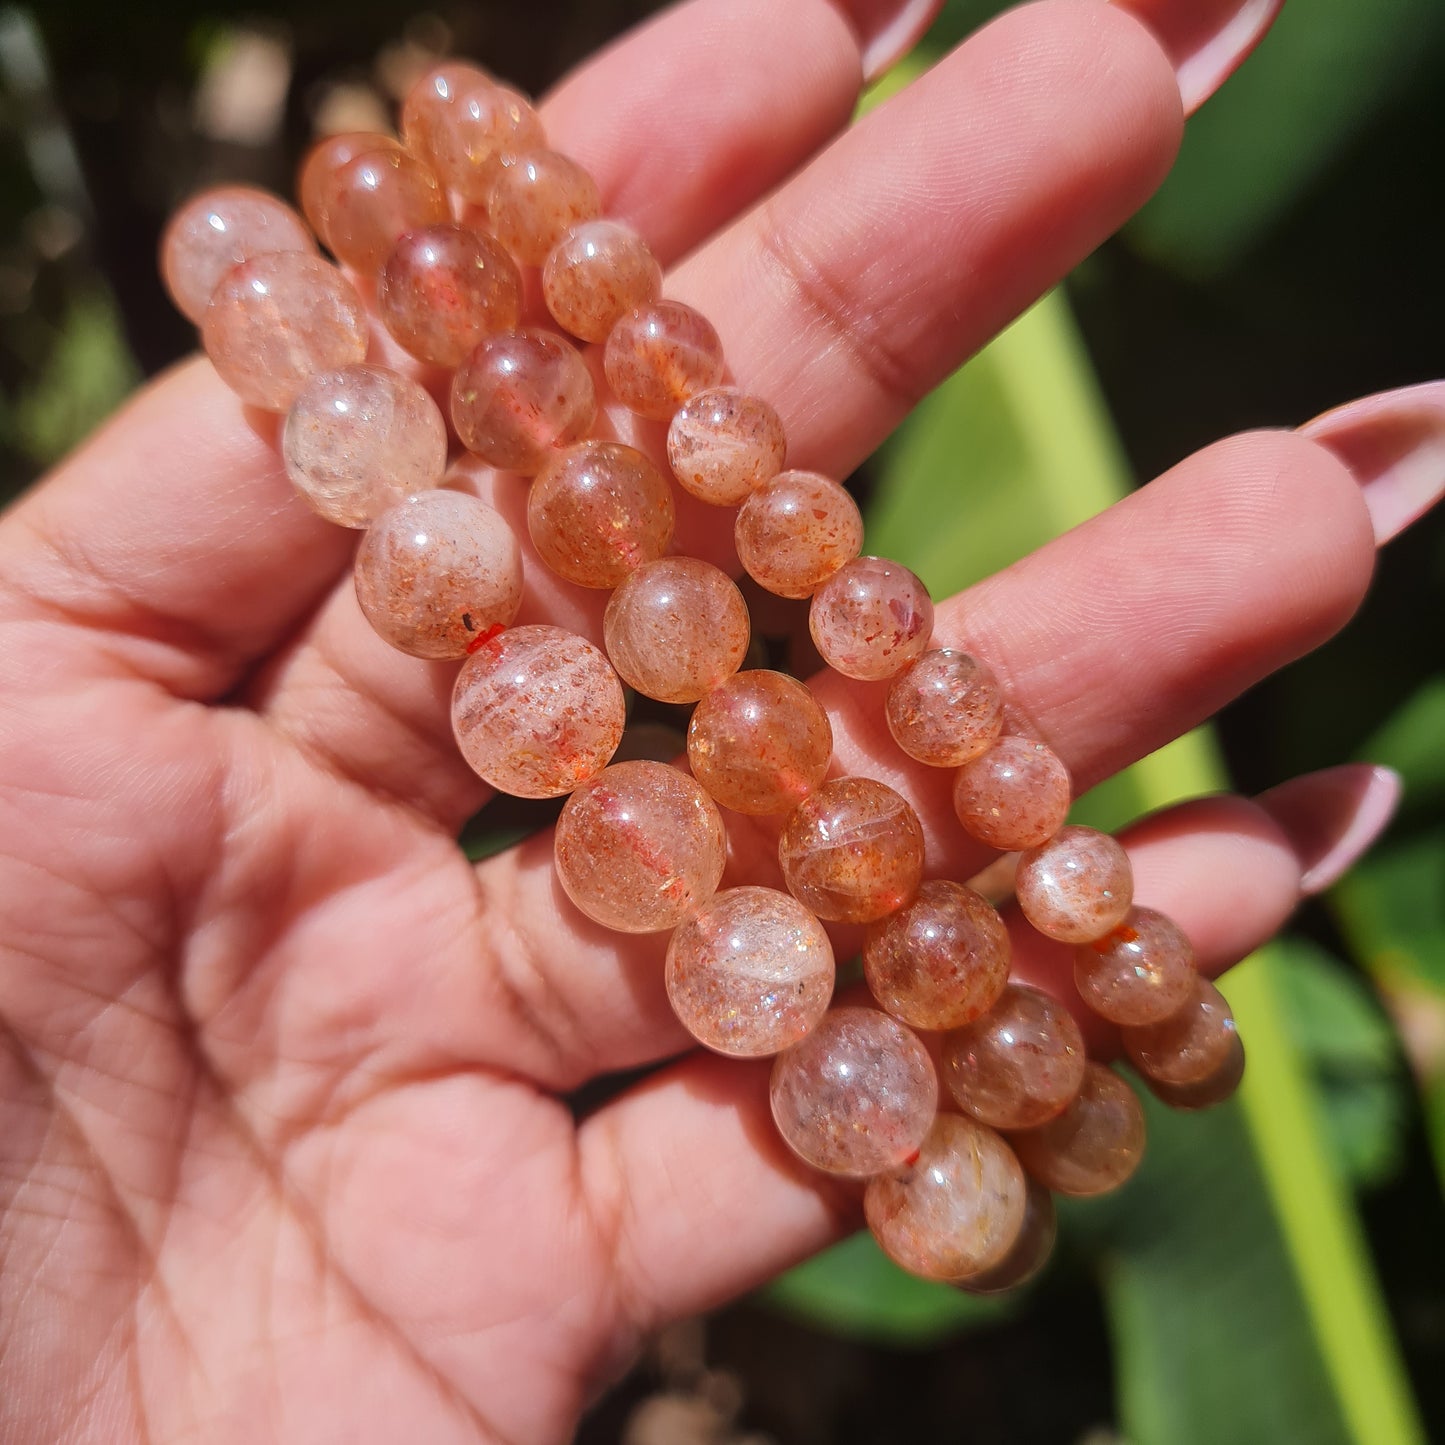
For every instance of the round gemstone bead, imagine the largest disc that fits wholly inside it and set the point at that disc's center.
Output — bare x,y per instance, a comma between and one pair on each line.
945,709
852,851
276,320
1015,795
1094,1145
536,199
870,619
676,628
520,396
321,163
1020,1064
1076,887
1189,1045
596,274
443,288
723,445
941,960
369,202
857,1095
537,710
1204,1093
796,531
219,229
598,511
638,846
438,571
1140,973
360,440
955,1210
659,355
1030,1252
759,743
750,972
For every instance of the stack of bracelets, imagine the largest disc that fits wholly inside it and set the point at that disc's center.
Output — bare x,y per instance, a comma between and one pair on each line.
958,1195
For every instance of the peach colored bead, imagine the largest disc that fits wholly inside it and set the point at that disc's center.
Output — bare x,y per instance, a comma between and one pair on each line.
1140,973
321,163
1094,1145
1018,1065
360,440
759,743
466,126
750,972
1188,1046
443,288
871,618
676,628
521,396
438,571
276,320
852,851
598,511
723,445
1030,1252
945,709
955,1210
659,355
796,532
1076,887
857,1095
596,274
1204,1093
536,199
537,710
941,960
367,204
1016,795
638,846
219,229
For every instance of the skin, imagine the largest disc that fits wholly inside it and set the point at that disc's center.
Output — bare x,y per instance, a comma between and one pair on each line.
284,1152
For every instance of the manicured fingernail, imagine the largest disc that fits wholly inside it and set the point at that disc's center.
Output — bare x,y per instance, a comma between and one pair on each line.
1207,40
888,29
1394,443
1332,817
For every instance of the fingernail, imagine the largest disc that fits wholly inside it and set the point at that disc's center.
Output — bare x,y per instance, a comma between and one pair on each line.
1394,443
1332,817
888,30
1207,40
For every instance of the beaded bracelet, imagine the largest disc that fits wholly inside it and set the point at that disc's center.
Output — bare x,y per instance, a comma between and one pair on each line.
538,711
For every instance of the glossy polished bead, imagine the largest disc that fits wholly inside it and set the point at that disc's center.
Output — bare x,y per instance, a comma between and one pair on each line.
537,710
676,628
1076,887
598,511
1204,1093
945,709
276,320
857,1096
759,743
436,572
1015,795
939,961
596,274
443,288
638,846
796,532
871,618
1030,1252
750,972
955,1210
1094,1145
1189,1045
219,229
1140,973
1019,1064
368,203
659,355
536,199
320,165
723,445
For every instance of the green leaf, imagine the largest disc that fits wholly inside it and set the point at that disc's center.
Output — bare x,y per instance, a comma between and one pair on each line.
1410,743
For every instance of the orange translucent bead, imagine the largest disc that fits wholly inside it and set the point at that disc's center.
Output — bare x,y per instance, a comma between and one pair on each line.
796,531
537,710
638,846
596,274
1189,1045
1140,973
750,972
676,628
1094,1145
1205,1093
956,1209
1076,887
1015,795
857,1096
941,960
1030,1252
723,445
1018,1065
759,743
536,199
321,163
870,619
598,511
945,709
369,202
659,355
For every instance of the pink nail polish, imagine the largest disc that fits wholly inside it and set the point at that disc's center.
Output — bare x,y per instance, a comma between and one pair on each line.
1394,443
888,29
